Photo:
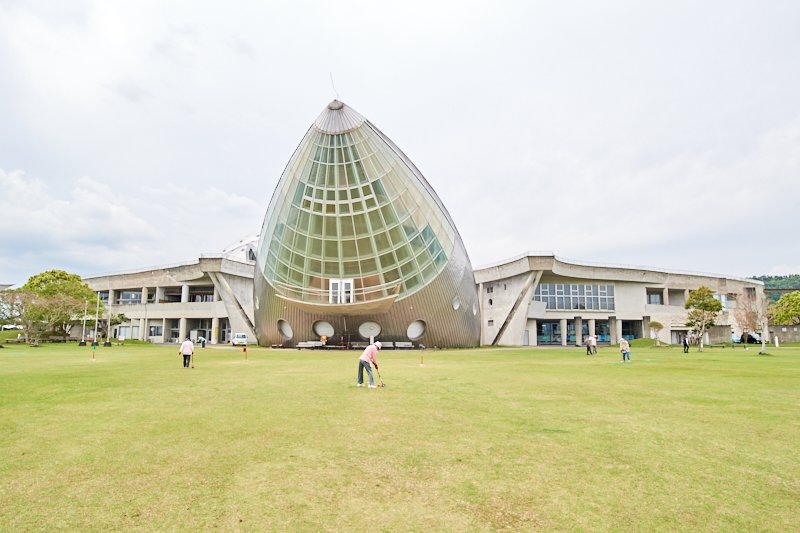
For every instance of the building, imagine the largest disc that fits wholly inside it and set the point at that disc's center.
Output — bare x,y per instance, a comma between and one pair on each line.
356,245
541,299
211,297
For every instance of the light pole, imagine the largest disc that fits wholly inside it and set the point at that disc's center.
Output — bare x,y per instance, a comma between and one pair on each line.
96,319
83,332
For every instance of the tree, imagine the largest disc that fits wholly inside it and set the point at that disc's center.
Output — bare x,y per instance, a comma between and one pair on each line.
703,311
751,315
104,328
656,326
63,296
787,309
27,309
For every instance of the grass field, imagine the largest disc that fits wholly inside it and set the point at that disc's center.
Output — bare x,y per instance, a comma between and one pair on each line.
477,440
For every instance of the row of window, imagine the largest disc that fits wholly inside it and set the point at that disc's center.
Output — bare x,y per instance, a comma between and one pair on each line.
564,296
134,297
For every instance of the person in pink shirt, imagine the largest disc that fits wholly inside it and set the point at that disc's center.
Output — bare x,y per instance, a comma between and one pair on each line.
370,355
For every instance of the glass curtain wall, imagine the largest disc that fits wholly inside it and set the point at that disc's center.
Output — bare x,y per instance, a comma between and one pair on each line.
354,210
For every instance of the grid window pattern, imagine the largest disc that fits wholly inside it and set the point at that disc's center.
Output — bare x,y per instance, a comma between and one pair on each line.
349,207
563,296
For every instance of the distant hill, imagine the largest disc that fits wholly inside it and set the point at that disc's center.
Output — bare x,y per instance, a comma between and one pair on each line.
792,281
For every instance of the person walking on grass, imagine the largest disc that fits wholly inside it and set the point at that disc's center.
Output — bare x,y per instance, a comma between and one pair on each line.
625,348
588,344
686,343
370,355
593,344
186,350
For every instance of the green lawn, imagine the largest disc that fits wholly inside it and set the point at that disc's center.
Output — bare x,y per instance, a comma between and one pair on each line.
477,440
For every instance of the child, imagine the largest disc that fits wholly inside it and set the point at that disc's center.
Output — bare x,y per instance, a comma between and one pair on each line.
625,348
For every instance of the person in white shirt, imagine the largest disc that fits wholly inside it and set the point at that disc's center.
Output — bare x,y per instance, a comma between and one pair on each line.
187,350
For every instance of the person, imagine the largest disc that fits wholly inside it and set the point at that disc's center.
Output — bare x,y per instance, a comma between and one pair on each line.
187,350
202,341
588,345
686,343
593,343
370,355
625,348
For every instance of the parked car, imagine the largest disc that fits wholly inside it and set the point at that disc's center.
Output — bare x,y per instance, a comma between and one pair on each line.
239,339
751,338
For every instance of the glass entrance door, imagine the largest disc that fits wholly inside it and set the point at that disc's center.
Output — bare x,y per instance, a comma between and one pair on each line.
548,332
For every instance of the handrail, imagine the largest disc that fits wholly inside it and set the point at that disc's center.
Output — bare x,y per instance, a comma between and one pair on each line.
313,294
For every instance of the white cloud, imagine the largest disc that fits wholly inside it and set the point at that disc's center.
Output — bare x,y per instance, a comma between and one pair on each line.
614,132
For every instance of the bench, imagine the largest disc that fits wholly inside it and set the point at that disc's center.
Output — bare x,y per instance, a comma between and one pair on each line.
387,344
358,345
310,344
403,345
18,341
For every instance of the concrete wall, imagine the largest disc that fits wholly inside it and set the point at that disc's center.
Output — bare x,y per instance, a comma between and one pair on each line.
785,333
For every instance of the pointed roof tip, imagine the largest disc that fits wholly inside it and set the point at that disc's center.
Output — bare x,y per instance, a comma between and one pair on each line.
337,117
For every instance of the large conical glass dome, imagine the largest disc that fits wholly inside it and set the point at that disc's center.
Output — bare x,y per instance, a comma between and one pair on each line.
351,206
356,245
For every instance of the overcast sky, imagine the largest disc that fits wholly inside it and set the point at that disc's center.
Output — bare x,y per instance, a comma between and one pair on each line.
664,134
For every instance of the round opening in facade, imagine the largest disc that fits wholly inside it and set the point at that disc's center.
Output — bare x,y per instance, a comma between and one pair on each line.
323,329
369,329
416,330
285,329
456,303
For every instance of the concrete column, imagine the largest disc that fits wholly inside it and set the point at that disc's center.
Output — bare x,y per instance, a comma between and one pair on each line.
612,329
111,297
666,296
619,330
534,328
563,323
482,337
578,331
143,322
591,326
215,327
144,295
216,294
182,333
685,295
164,330
184,296
159,294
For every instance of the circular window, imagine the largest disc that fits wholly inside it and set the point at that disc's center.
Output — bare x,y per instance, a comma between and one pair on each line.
323,329
285,329
490,301
456,303
416,330
369,329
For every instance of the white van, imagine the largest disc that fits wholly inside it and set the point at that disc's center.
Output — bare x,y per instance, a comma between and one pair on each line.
239,339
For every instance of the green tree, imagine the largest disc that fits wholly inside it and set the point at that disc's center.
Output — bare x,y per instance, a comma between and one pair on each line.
656,326
27,309
787,309
61,298
703,312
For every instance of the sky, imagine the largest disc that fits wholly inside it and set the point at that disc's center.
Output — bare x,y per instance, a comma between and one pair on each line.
662,134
